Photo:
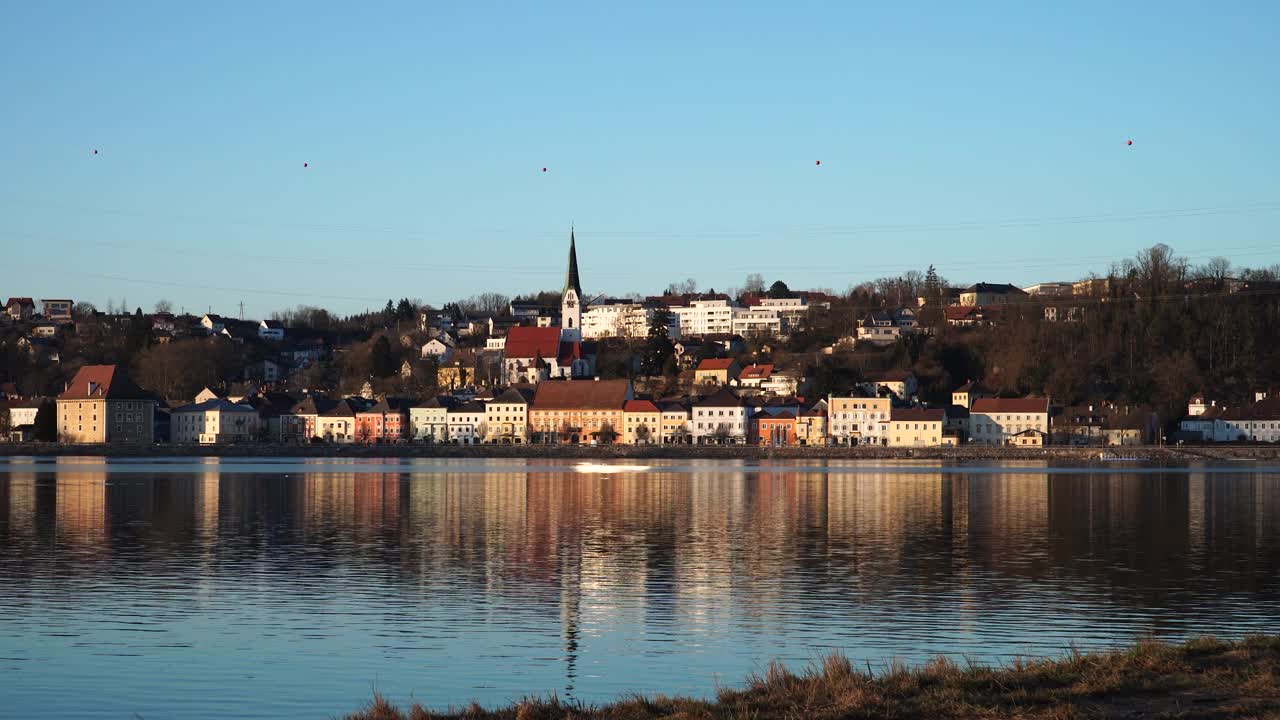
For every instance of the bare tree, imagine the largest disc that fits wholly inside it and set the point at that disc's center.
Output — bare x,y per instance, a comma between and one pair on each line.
753,284
688,286
1217,270
163,306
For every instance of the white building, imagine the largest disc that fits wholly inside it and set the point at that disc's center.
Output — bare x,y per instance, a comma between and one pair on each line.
467,423
441,348
429,421
995,421
1050,289
213,422
23,413
623,318
1255,422
755,322
271,330
884,327
720,419
704,317
213,324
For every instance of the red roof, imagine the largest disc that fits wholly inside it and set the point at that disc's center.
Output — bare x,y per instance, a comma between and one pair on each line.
639,406
715,364
530,342
917,415
1010,405
756,372
581,395
102,382
569,351
19,301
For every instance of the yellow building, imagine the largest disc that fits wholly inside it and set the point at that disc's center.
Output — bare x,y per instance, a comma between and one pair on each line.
858,420
642,423
101,405
675,424
811,428
506,417
578,411
916,427
984,294
716,371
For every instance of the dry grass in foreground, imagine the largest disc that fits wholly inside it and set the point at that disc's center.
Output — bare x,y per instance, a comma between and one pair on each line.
1202,678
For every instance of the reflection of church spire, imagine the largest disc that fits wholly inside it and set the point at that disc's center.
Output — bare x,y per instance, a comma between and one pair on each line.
570,608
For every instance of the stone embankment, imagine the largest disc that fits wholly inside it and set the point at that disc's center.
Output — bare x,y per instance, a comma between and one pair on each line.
1162,454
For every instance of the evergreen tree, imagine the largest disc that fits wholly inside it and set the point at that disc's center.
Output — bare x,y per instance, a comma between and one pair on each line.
382,362
658,347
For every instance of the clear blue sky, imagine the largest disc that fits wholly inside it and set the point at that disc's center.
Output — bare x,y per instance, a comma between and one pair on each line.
679,137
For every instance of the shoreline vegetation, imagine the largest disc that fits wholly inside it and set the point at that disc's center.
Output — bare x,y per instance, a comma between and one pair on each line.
1202,678
1159,454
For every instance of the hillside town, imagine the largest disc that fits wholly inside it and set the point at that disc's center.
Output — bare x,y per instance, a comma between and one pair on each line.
904,362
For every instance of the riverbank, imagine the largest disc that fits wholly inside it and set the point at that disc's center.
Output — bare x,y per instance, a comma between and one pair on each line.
1161,454
1203,678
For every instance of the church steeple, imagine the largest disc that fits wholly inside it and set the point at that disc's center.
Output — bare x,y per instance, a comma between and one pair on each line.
571,301
571,280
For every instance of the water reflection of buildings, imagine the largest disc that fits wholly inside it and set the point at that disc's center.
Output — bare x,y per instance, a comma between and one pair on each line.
726,542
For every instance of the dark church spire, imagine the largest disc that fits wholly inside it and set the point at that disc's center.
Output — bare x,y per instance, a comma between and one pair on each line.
571,280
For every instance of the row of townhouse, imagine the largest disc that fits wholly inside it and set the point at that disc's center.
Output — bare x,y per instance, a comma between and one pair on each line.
101,405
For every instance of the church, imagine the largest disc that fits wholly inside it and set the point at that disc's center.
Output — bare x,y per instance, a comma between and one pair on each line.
534,354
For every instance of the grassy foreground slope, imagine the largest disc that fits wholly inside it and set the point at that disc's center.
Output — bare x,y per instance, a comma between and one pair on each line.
1202,678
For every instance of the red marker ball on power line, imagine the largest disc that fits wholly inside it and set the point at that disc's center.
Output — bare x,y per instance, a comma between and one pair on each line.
544,169
1129,143
305,165
817,162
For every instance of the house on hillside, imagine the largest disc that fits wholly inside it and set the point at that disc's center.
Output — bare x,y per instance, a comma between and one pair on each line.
20,308
902,383
271,330
983,294
57,310
717,371
885,327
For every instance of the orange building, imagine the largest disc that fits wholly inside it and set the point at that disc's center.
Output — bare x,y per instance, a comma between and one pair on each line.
776,430
579,411
384,422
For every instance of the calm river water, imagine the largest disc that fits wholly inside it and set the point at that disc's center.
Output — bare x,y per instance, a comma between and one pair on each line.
205,588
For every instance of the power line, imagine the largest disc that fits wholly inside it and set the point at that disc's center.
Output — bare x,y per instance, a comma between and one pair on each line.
1270,205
